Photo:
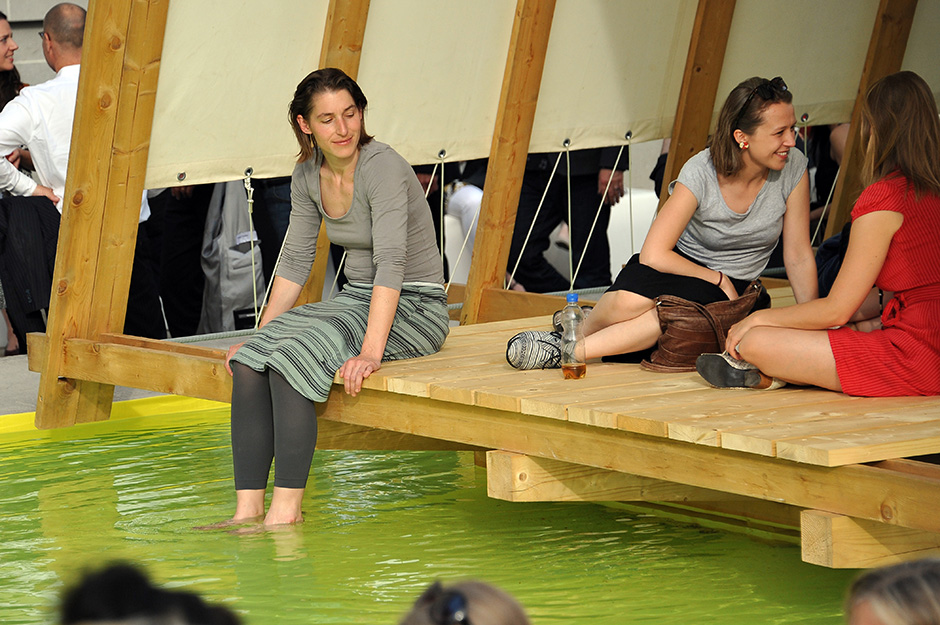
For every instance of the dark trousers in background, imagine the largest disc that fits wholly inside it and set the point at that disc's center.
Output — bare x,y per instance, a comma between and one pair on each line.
535,273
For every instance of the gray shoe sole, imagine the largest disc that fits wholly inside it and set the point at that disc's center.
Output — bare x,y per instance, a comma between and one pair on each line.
719,373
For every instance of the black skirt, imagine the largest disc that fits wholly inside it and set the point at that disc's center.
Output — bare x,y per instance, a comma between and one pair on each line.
648,282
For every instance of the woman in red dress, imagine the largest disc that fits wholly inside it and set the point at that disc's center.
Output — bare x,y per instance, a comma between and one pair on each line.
894,245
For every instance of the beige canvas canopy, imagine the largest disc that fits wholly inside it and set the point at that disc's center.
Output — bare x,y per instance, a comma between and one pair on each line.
196,90
433,71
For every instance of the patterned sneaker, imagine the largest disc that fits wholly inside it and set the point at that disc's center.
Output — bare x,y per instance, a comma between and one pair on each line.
534,349
723,371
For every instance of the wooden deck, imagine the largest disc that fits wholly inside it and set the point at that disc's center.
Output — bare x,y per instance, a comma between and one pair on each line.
833,466
840,474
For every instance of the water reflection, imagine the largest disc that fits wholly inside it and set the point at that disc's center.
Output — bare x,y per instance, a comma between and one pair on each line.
379,527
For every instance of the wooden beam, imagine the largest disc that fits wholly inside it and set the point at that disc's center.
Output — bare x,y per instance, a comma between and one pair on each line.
335,435
498,304
110,143
342,48
873,493
841,542
699,86
514,116
885,55
517,477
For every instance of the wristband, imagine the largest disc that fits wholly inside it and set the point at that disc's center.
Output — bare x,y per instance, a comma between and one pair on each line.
721,277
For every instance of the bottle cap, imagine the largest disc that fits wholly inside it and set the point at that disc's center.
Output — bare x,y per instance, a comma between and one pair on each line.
572,298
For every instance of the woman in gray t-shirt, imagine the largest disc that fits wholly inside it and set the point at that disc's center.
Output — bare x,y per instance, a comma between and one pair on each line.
393,307
714,235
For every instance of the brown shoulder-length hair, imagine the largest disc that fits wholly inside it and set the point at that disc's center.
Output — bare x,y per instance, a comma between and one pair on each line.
743,109
901,132
324,80
10,83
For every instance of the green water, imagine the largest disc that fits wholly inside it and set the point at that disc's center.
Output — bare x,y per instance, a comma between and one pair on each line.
379,527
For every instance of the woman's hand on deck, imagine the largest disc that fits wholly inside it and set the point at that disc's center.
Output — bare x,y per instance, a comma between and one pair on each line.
355,370
229,354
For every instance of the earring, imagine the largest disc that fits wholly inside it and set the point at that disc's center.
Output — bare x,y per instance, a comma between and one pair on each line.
743,145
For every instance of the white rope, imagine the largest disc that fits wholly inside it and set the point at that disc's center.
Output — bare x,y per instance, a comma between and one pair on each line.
629,136
596,216
251,243
571,272
822,216
532,225
277,262
427,191
339,268
440,155
466,238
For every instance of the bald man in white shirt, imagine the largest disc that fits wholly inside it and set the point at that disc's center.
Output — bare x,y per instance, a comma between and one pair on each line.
36,131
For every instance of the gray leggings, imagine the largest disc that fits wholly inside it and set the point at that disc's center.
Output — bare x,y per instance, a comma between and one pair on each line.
270,420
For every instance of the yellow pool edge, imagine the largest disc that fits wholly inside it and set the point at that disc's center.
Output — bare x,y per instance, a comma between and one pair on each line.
145,407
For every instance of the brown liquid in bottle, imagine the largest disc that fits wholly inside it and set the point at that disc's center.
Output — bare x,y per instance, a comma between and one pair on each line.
574,371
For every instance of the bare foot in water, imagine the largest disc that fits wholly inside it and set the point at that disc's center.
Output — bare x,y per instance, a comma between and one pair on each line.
221,525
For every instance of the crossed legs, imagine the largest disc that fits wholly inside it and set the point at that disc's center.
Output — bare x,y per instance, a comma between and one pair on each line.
801,357
621,322
270,420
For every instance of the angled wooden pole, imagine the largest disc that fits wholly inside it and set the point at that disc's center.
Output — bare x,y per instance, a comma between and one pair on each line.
885,55
699,86
342,48
110,142
517,101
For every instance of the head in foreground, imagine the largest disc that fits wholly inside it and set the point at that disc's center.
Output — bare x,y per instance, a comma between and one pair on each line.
326,113
466,603
903,594
756,126
901,132
120,593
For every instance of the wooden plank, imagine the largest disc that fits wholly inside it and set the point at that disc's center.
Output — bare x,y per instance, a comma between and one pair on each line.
335,435
860,491
517,477
343,35
885,54
841,542
141,367
515,113
497,304
898,441
699,84
110,142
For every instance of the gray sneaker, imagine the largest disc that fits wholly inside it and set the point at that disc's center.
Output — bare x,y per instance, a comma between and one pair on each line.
534,349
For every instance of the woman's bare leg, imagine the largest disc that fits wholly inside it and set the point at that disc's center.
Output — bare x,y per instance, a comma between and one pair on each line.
797,356
285,506
640,332
615,307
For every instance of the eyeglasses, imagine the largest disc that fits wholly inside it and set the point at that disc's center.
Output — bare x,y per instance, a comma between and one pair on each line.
42,34
766,90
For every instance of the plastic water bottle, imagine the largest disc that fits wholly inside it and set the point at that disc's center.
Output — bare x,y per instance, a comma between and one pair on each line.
573,364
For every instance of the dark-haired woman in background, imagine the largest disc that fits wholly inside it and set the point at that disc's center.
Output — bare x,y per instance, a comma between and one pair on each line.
714,234
393,307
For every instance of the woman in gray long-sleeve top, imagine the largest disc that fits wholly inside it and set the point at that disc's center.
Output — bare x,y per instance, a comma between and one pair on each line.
394,306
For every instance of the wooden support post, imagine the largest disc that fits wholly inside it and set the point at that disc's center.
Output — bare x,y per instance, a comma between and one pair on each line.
517,477
842,542
885,55
110,143
517,101
699,85
342,48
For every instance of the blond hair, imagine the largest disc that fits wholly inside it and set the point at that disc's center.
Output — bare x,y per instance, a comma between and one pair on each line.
903,594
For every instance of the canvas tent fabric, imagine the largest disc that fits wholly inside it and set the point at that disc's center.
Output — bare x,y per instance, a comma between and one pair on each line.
433,70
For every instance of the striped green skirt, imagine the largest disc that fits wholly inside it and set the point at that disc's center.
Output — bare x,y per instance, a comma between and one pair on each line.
308,344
